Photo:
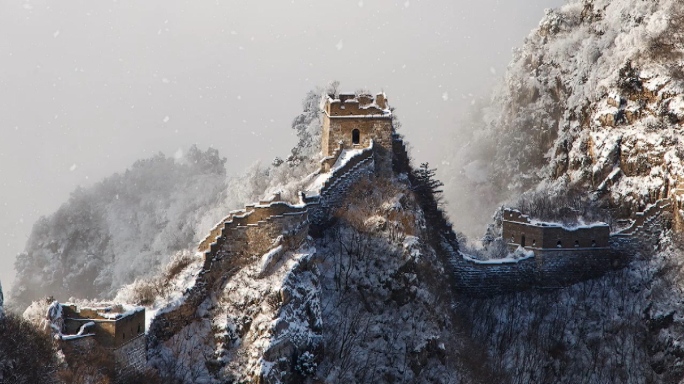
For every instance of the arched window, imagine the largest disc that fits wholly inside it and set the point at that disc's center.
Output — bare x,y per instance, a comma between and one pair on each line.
138,328
576,243
522,241
356,136
593,243
559,244
534,243
124,336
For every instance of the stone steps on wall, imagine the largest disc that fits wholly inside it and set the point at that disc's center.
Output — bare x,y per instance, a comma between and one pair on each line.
346,174
645,218
351,165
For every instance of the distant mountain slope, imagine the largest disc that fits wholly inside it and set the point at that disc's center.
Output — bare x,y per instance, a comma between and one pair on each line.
122,227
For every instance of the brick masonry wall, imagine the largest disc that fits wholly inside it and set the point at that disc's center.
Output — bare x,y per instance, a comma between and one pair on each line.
517,229
547,270
130,358
333,193
548,237
340,130
238,245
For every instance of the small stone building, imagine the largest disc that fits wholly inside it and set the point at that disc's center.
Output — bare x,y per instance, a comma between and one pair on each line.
351,121
519,231
118,328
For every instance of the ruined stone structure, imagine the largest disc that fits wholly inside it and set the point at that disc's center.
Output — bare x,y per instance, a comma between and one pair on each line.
352,121
119,329
519,231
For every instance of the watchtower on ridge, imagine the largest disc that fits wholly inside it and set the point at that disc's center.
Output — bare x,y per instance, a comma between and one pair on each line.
352,121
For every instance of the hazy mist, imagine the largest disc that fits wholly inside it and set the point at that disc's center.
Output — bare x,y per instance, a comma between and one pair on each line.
87,88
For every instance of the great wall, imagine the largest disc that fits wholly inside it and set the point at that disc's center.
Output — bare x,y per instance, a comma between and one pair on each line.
358,140
360,127
557,267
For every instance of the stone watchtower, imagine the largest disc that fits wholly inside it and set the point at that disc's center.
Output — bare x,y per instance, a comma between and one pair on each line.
351,121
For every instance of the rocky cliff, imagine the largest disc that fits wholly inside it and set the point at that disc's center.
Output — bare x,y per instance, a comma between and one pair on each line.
593,99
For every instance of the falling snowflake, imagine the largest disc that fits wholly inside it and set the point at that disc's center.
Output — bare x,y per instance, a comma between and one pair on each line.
339,45
445,96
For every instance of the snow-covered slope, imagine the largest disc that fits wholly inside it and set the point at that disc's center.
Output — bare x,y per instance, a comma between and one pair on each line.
121,228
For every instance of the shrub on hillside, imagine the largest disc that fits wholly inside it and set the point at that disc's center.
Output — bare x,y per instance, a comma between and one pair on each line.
26,353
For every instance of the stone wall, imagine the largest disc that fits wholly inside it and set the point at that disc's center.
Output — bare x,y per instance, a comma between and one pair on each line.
518,230
650,214
130,359
333,192
109,333
129,327
336,130
351,104
371,117
557,268
547,270
246,236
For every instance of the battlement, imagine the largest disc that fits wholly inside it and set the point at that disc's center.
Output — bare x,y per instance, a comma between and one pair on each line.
357,106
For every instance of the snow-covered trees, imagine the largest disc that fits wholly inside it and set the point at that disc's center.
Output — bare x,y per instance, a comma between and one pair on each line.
597,86
426,183
123,227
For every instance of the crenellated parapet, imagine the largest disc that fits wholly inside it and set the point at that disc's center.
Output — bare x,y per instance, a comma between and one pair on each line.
359,106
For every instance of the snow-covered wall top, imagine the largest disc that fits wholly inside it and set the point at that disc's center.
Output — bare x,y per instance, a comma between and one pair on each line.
352,105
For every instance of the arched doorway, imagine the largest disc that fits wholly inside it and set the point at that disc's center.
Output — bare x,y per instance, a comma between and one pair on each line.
356,136
522,241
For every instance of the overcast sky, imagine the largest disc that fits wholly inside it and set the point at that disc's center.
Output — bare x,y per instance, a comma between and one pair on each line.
88,87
